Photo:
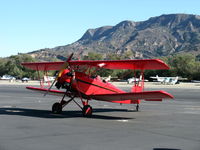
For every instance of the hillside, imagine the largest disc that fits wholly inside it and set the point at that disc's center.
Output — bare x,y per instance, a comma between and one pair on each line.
158,36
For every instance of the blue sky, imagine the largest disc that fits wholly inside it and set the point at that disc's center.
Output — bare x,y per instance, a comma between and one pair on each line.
28,25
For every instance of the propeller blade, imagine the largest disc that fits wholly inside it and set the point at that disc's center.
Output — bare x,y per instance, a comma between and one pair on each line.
49,88
64,66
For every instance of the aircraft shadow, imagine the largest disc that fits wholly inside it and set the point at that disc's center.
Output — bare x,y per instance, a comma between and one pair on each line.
65,114
165,149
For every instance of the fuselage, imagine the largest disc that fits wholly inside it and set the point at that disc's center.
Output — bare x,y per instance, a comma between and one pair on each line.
86,86
91,85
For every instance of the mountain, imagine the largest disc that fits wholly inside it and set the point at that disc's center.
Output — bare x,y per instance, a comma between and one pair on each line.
158,36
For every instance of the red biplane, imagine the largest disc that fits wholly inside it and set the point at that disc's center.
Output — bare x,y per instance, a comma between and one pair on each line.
78,80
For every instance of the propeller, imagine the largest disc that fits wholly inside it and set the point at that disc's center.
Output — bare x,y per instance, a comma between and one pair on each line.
64,66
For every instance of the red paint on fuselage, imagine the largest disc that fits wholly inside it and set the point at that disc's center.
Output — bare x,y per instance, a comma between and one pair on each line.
93,85
88,85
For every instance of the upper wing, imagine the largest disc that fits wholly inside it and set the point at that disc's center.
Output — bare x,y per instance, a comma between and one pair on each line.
147,95
44,66
138,64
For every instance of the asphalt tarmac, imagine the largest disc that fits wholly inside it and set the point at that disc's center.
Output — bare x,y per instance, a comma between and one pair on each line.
26,123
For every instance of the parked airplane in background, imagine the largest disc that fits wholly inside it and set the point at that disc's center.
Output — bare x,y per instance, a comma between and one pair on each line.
195,81
48,78
133,79
79,79
8,77
107,79
166,80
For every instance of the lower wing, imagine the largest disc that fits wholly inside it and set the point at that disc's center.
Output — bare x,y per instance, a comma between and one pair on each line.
146,95
43,90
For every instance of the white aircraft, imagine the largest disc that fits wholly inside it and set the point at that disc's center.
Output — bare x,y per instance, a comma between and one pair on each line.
48,78
166,80
107,79
8,77
133,79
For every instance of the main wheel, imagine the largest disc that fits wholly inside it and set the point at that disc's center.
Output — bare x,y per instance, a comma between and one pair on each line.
57,108
87,111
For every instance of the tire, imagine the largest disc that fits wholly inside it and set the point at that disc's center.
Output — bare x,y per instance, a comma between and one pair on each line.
87,111
57,108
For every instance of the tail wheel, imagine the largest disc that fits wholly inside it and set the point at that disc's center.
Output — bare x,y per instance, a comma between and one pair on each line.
137,107
87,111
57,108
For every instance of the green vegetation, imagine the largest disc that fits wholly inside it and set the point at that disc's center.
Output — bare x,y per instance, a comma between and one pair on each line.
184,65
12,66
93,56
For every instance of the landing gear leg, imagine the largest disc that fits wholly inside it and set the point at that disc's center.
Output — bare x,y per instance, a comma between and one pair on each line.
137,107
57,107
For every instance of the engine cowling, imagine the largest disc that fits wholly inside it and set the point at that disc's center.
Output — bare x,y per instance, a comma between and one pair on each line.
64,81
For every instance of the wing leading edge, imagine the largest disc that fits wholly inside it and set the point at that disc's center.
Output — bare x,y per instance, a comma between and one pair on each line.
138,64
43,90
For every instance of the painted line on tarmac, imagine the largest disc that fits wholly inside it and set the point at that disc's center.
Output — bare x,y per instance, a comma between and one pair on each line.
123,120
13,111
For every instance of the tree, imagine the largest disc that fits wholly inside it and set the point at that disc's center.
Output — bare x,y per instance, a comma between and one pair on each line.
2,66
12,66
183,64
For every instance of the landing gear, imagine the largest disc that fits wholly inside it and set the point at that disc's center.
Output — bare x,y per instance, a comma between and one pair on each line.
137,107
87,111
57,108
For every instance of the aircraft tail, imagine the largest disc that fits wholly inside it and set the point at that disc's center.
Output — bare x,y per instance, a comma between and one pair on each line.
137,88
